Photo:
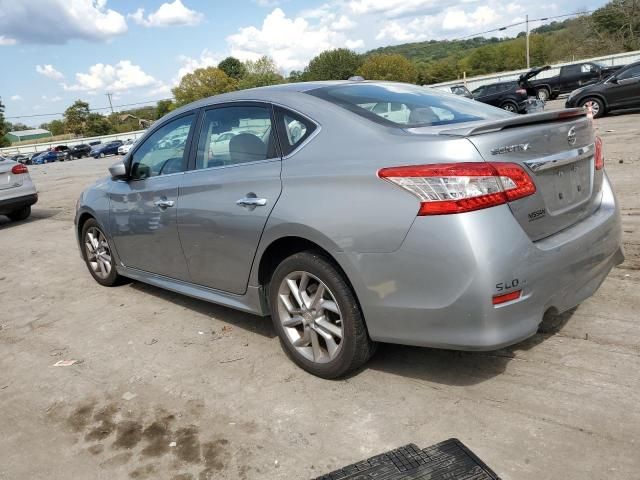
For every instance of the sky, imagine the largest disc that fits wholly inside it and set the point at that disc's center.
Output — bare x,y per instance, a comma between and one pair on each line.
53,52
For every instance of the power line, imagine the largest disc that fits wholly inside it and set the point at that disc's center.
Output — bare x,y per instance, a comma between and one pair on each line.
499,29
112,108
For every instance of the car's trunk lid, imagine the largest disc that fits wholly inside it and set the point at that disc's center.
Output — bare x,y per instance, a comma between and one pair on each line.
557,151
8,179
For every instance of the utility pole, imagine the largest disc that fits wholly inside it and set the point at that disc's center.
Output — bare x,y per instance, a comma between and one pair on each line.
109,95
527,22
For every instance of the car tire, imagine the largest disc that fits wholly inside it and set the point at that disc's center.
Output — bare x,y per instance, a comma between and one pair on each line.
102,155
330,332
20,214
543,94
509,107
597,106
98,254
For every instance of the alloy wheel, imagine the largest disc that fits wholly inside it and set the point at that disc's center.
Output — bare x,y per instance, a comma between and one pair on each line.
595,107
310,317
98,252
509,107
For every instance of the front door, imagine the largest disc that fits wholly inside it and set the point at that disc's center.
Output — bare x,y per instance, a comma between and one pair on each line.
227,196
624,92
143,217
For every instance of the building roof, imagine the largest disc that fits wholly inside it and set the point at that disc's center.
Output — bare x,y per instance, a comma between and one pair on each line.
26,133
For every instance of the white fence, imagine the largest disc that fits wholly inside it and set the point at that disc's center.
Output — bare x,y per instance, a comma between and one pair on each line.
39,147
474,82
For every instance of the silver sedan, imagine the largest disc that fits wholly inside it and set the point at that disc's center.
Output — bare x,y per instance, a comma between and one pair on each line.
361,212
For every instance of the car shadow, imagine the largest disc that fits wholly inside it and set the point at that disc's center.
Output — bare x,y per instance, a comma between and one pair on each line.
246,321
458,368
36,214
625,111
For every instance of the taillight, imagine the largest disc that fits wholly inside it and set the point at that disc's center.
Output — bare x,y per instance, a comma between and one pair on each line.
598,154
521,91
19,169
461,187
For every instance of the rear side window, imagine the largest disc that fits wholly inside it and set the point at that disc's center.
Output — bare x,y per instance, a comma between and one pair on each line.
633,72
420,106
293,129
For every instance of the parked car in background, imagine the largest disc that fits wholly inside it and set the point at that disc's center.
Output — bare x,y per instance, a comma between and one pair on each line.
79,151
20,158
63,152
17,191
571,77
105,149
125,147
506,95
452,225
48,156
619,91
456,90
95,142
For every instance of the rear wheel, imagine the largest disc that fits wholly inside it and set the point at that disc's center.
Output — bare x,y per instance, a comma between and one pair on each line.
20,214
317,316
98,254
597,107
543,94
102,155
510,107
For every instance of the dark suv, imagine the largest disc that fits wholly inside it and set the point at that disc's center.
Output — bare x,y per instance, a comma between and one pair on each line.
506,95
621,90
79,151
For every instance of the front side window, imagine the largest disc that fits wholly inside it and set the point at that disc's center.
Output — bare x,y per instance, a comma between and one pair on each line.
420,106
164,151
633,72
232,135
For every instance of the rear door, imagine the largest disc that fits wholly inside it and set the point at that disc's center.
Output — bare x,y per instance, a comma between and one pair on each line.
558,153
228,193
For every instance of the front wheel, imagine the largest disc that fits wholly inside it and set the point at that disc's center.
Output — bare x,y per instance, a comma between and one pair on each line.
597,107
317,316
98,254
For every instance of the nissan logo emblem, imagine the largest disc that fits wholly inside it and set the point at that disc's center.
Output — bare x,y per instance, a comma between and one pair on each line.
571,136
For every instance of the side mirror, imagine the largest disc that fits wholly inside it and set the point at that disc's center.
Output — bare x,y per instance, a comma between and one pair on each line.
613,80
118,170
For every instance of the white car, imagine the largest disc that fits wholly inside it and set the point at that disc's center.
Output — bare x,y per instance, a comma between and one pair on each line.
125,147
17,191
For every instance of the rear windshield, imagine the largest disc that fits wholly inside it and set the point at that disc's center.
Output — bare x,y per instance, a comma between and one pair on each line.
406,105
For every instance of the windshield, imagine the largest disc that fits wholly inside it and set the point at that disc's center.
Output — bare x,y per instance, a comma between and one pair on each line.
406,105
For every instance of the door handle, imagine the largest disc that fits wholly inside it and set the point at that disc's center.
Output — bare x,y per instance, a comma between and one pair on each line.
164,203
251,202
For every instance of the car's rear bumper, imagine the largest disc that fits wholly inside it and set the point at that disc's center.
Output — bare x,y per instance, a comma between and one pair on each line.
437,289
12,204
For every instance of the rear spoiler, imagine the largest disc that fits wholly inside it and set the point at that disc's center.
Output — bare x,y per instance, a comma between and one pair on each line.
478,128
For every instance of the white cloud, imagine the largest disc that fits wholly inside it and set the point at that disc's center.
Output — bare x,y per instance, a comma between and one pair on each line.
49,71
58,21
343,23
168,15
6,41
53,99
458,19
291,42
394,8
15,98
122,76
189,64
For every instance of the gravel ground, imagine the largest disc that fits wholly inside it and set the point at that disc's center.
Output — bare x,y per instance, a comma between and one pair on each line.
157,368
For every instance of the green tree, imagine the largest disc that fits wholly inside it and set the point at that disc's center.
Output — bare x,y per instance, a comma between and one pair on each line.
4,141
56,127
391,67
260,73
338,64
96,125
75,117
163,107
233,67
296,76
620,21
263,65
202,83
